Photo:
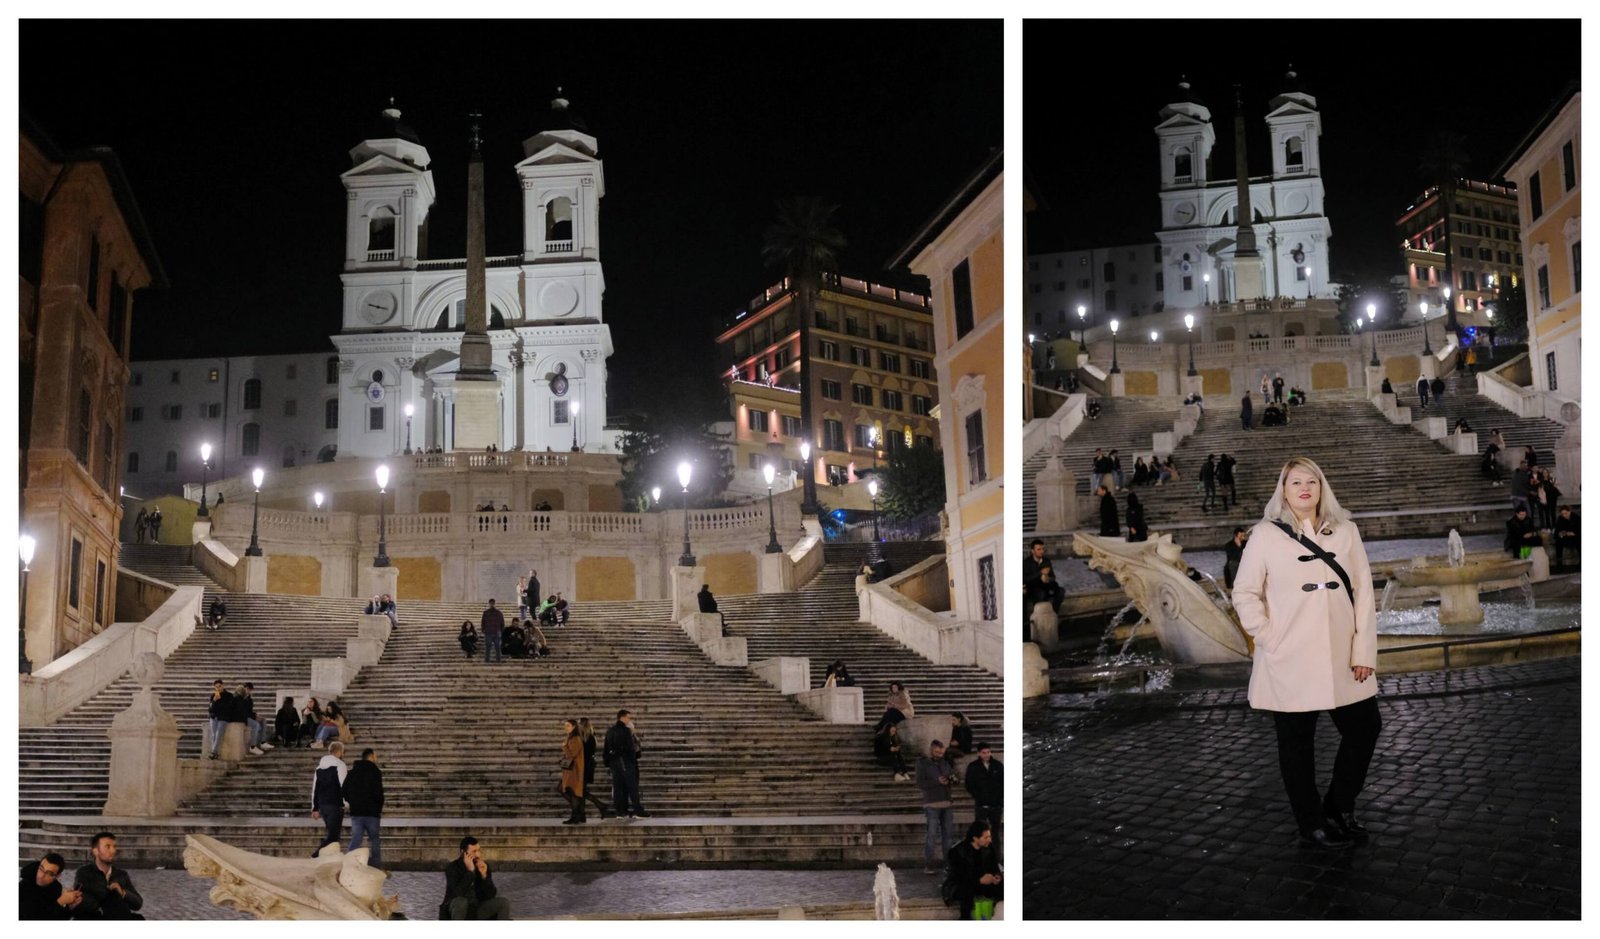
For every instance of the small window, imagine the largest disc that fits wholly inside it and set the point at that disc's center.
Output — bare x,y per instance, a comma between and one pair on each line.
891,401
100,592
1569,167
377,376
176,377
375,418
1182,166
864,436
138,379
1577,266
1188,282
923,440
331,373
252,394
987,597
977,466
832,435
756,420
250,440
330,414
108,456
828,349
831,390
75,574
290,408
85,425
213,410
1550,371
558,412
1293,153
921,369
133,461
838,475
93,287
889,362
1544,287
921,405
860,356
172,461
135,415
1535,195
288,456
861,394
789,425
290,371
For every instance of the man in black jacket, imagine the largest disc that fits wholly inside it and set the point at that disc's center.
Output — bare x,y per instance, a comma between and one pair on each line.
216,613
1225,478
42,896
244,711
622,758
1566,533
108,892
974,868
327,793
469,890
985,779
221,712
363,789
1521,532
708,604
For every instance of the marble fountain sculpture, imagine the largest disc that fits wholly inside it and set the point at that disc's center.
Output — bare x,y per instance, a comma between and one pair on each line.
332,885
1458,582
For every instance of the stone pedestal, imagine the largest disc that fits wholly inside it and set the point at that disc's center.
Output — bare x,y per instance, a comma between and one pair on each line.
776,573
363,651
789,674
1191,384
727,650
686,583
1374,380
861,583
835,705
1116,385
702,627
253,573
1046,627
1056,497
200,531
235,742
1035,672
477,413
373,626
1459,606
1430,365
376,580
144,760
329,676
1462,444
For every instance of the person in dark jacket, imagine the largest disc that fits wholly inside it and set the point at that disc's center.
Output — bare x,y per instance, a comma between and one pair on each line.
1387,387
1437,387
1045,589
1030,565
221,712
1277,388
363,790
42,894
108,892
886,751
216,613
493,626
708,604
975,868
1108,513
1246,411
1521,532
468,638
327,794
1234,551
244,712
1422,393
1565,536
469,890
960,742
586,732
985,781
622,757
1135,519
286,723
1225,479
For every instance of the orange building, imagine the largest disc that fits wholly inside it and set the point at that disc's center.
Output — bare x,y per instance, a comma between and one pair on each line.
84,252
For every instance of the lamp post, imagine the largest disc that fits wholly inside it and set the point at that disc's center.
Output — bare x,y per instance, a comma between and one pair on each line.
1114,368
1307,270
808,506
254,550
1083,326
410,410
1450,325
687,558
872,490
1188,323
1426,348
575,426
1372,323
1155,337
317,498
205,464
655,494
772,524
1206,280
872,441
25,546
382,559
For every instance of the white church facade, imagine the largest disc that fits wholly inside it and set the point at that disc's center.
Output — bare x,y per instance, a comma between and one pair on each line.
403,313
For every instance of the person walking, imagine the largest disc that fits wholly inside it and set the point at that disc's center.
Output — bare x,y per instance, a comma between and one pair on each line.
493,625
327,794
1277,388
1208,479
1135,519
1422,393
469,889
934,776
571,783
531,597
363,790
1108,513
586,733
1304,594
1247,412
1234,553
154,521
1437,387
622,758
138,525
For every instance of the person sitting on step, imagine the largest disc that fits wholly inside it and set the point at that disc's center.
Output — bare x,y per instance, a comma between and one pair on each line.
538,646
960,743
886,750
286,724
468,638
216,613
310,719
547,611
708,604
563,610
838,676
515,643
897,708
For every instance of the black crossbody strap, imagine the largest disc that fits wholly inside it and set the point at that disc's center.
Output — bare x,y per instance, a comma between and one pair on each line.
1324,556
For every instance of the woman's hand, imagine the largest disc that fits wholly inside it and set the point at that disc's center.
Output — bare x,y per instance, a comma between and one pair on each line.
1361,672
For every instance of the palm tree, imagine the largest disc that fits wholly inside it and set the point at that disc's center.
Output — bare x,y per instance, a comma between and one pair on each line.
803,242
1444,160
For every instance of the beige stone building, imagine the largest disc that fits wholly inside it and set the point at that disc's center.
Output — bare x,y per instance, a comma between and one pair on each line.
84,252
1484,243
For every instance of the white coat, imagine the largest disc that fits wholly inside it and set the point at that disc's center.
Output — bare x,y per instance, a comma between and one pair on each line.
1306,642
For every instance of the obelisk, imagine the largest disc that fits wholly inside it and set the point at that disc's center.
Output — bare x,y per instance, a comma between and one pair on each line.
477,389
1249,282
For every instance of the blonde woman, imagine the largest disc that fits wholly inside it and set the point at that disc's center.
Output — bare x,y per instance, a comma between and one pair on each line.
1304,593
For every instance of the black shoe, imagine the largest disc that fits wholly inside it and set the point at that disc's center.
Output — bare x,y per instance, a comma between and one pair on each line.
1346,825
1327,839
640,815
573,821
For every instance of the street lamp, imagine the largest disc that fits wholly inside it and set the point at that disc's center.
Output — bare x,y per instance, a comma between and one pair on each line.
872,490
655,494
1206,280
254,550
575,426
1450,312
25,546
410,410
1083,311
1114,369
772,525
205,464
1188,323
382,560
1307,270
317,498
872,441
1155,337
1426,348
808,505
1372,322
684,469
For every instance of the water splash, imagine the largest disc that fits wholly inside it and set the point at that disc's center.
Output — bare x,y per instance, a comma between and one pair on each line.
1104,649
1527,589
1122,654
1388,594
1458,552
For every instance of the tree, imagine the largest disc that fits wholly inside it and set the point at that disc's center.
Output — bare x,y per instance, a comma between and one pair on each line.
651,449
804,243
1355,292
1510,307
913,483
1444,160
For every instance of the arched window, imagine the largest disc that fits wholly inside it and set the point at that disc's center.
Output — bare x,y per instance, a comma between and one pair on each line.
380,230
1182,165
1294,153
252,394
250,440
558,220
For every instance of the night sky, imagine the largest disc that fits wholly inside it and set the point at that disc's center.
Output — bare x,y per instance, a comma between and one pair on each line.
1383,88
234,134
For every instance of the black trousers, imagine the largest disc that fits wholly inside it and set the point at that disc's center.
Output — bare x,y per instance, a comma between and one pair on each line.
625,788
1358,726
332,820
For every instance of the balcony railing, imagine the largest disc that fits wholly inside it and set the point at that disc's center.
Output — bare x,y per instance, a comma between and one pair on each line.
381,255
558,247
509,460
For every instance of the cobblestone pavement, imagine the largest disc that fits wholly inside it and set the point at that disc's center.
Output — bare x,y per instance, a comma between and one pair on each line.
1171,806
175,895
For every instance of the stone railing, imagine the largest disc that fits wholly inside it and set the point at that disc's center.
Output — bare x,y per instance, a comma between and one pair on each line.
290,522
486,460
1521,401
941,638
806,555
84,672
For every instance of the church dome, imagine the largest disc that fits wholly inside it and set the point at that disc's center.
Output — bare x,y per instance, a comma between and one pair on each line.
561,116
1185,93
389,126
1291,84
